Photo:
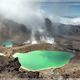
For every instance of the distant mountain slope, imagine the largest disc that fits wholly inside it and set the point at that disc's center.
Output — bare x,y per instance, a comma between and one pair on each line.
10,30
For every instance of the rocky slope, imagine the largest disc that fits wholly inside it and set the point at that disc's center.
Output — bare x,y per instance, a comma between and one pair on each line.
50,32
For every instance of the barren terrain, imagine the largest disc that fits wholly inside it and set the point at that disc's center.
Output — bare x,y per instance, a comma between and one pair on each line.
10,68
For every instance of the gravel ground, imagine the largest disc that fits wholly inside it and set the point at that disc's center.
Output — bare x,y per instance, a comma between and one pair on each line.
10,68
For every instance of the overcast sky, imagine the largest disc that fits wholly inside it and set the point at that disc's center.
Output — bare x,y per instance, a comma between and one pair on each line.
35,10
56,0
70,8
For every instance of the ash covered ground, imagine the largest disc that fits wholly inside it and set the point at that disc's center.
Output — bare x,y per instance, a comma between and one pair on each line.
10,68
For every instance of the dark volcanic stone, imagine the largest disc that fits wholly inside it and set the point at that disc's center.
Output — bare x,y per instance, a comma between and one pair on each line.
13,65
33,74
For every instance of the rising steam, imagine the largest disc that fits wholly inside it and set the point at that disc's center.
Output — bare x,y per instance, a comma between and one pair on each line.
23,11
27,12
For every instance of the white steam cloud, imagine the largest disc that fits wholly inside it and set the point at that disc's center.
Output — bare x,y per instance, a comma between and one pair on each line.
27,12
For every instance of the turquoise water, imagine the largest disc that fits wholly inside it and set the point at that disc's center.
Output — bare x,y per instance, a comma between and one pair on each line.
8,44
41,60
